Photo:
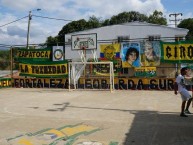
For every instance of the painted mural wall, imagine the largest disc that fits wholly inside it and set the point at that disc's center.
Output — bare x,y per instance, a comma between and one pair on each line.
98,83
137,65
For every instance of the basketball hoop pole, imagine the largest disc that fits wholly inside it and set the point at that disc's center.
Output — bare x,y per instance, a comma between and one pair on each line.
84,51
69,74
192,93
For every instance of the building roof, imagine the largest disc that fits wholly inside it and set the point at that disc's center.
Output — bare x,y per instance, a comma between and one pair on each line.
135,23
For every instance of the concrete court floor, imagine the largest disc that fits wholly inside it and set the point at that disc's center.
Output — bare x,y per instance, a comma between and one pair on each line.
128,117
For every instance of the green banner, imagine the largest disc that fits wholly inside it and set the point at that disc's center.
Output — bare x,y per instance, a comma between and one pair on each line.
44,69
33,54
5,82
145,72
177,52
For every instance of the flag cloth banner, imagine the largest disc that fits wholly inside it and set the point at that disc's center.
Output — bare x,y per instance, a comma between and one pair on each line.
104,69
57,53
150,53
177,52
145,72
130,54
109,51
44,69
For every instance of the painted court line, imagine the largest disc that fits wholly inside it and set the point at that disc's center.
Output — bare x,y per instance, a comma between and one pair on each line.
7,111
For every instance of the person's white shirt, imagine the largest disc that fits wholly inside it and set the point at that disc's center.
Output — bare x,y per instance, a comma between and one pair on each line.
181,83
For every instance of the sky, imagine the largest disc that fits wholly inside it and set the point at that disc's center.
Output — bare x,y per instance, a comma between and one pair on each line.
14,32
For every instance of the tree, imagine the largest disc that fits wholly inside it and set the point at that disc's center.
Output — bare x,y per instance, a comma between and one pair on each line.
52,41
73,26
106,22
95,22
188,24
4,59
157,18
125,17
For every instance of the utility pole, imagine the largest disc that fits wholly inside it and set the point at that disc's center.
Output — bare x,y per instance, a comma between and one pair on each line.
176,20
28,28
175,17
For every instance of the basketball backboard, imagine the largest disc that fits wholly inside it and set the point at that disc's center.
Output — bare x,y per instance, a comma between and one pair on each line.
84,41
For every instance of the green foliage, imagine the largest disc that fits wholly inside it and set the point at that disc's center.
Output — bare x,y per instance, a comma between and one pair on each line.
157,18
4,59
106,22
52,41
94,22
73,26
188,24
127,17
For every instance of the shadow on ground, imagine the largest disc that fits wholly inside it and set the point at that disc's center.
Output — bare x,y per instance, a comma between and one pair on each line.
159,128
151,127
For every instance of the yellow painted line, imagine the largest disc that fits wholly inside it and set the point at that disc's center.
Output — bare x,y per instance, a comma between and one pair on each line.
103,74
77,129
56,132
24,141
33,139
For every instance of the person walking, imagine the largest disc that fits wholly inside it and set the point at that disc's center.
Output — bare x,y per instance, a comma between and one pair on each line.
179,87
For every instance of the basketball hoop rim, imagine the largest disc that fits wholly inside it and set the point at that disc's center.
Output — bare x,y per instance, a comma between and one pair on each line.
83,48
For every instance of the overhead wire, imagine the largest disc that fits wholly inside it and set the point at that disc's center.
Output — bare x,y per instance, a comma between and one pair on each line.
5,45
52,18
13,21
99,41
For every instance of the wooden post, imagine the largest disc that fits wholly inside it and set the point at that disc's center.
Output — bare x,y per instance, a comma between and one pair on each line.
11,64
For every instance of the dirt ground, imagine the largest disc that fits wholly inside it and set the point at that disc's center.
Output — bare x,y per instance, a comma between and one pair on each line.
121,117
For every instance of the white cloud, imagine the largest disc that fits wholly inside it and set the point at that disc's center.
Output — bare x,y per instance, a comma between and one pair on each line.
2,32
16,31
12,40
41,28
19,4
108,8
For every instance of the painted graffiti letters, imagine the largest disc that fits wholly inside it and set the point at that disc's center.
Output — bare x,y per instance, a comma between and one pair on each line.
121,83
33,54
140,85
24,68
168,52
177,52
5,83
190,52
146,84
162,84
40,83
131,84
153,84
95,84
182,52
49,70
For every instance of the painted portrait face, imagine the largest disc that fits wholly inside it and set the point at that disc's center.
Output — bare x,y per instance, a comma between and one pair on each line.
149,51
109,52
132,57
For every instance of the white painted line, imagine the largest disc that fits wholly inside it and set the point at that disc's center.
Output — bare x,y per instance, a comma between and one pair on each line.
6,111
